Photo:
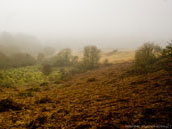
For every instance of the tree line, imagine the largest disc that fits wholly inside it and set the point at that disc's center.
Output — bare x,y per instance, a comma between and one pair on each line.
63,58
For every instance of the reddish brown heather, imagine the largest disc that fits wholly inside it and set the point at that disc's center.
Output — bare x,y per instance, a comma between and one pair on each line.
105,98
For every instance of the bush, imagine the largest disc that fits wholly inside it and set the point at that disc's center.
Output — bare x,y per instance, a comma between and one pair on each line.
147,55
167,52
46,69
167,57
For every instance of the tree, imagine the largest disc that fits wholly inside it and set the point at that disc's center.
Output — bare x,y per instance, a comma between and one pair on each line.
91,57
63,58
146,57
22,59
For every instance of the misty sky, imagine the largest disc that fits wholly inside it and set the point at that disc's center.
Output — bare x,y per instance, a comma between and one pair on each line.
101,22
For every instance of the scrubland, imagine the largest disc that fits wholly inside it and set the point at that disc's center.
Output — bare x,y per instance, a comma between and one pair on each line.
112,95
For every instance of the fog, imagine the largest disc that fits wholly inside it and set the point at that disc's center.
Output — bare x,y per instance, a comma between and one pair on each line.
75,23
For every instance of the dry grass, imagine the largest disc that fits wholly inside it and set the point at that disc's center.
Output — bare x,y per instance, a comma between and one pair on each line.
103,98
116,57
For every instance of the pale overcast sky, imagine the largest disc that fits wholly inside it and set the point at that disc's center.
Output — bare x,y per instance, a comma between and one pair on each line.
106,22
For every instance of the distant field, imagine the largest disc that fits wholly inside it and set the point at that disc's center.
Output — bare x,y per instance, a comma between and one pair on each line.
117,57
112,56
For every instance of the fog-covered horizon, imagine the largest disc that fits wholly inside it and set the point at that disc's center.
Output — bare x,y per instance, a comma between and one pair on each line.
105,23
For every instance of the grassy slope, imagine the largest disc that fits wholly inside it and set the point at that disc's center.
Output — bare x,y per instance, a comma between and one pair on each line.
118,57
102,98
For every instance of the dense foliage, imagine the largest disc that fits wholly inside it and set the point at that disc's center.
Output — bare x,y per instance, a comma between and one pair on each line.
147,54
16,60
19,76
168,51
151,57
25,75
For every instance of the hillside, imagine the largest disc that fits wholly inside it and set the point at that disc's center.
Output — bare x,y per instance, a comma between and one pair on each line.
112,56
104,98
118,56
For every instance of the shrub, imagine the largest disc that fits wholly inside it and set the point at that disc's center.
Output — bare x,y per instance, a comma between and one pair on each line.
167,52
148,54
167,58
46,69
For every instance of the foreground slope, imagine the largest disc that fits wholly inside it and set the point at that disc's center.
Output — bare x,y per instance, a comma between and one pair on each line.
103,98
